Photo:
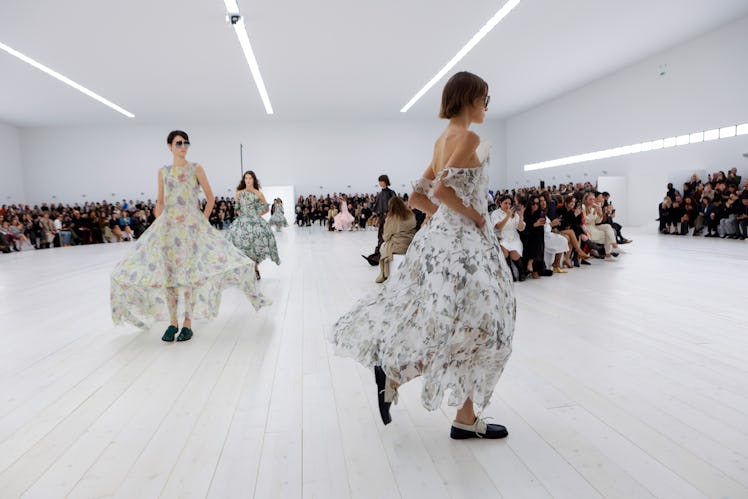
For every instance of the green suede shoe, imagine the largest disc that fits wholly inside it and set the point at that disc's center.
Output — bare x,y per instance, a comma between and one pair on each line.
169,333
185,334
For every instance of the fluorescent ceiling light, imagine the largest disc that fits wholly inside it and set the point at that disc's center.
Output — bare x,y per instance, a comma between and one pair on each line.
727,132
241,33
491,24
682,140
65,80
742,129
696,137
669,142
711,135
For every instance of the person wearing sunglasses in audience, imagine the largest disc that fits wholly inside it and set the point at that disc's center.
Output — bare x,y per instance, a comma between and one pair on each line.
180,255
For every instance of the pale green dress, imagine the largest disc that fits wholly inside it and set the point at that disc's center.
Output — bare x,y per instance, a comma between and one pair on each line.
181,251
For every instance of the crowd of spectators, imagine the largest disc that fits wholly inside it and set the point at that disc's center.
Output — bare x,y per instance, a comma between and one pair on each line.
581,216
321,210
719,205
56,224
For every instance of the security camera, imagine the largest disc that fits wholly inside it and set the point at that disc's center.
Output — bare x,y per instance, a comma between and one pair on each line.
233,18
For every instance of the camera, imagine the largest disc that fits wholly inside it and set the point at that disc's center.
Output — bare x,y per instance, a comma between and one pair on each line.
233,18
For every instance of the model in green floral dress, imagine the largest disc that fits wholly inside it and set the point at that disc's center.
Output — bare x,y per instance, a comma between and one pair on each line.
249,232
180,254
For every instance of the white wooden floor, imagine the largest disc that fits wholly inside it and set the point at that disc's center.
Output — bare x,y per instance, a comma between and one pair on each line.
628,379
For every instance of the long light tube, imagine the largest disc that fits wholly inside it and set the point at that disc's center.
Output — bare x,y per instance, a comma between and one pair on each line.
491,24
64,79
241,33
681,140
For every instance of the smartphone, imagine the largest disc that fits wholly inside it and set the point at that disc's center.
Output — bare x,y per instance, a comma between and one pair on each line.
542,213
542,184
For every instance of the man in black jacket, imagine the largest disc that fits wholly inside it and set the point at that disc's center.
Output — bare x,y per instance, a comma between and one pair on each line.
381,205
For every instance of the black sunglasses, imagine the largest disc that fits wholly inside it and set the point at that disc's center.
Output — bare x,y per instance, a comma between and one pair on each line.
486,101
181,143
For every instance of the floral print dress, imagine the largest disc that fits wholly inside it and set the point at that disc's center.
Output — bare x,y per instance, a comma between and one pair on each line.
250,233
181,251
278,218
448,314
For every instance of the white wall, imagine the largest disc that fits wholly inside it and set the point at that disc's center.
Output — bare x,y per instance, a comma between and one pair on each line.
11,172
705,87
101,161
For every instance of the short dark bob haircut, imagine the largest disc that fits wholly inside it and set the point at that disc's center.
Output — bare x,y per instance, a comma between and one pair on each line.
461,91
176,133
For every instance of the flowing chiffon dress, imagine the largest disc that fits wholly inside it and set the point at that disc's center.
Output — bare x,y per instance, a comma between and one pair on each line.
180,252
448,314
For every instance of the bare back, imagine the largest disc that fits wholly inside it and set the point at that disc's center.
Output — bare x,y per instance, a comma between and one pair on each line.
455,148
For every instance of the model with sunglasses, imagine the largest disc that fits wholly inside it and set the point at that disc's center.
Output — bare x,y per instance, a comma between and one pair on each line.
180,255
448,314
249,232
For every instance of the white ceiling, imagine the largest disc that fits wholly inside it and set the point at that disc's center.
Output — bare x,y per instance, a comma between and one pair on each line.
179,61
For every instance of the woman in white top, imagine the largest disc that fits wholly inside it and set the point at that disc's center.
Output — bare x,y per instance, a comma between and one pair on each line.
556,245
602,234
507,223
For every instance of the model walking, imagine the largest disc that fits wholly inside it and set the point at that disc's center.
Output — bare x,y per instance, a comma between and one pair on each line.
448,314
179,255
277,215
250,232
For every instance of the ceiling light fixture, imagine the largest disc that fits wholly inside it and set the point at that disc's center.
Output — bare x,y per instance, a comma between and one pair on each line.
680,140
237,22
64,79
491,24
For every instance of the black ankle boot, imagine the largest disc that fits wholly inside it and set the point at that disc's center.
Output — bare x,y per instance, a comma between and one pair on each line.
521,274
511,270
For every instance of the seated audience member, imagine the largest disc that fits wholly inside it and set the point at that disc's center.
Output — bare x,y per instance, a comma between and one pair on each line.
48,230
665,219
728,225
556,245
677,210
713,214
609,213
114,226
571,227
689,217
733,178
533,238
602,234
124,226
507,224
399,229
742,216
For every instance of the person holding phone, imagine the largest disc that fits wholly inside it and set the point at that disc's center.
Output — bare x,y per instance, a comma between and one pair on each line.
507,223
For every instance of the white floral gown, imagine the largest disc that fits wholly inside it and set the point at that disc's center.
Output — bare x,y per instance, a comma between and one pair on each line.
180,250
448,314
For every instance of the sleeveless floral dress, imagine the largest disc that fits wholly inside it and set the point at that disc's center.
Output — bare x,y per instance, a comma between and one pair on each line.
278,218
448,314
250,233
179,250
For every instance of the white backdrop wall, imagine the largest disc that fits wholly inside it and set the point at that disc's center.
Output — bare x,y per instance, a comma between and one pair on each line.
704,87
11,171
122,162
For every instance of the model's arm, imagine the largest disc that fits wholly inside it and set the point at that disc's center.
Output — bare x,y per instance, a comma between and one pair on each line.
160,201
202,179
262,198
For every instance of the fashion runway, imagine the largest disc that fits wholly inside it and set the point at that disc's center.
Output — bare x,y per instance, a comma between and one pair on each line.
628,379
